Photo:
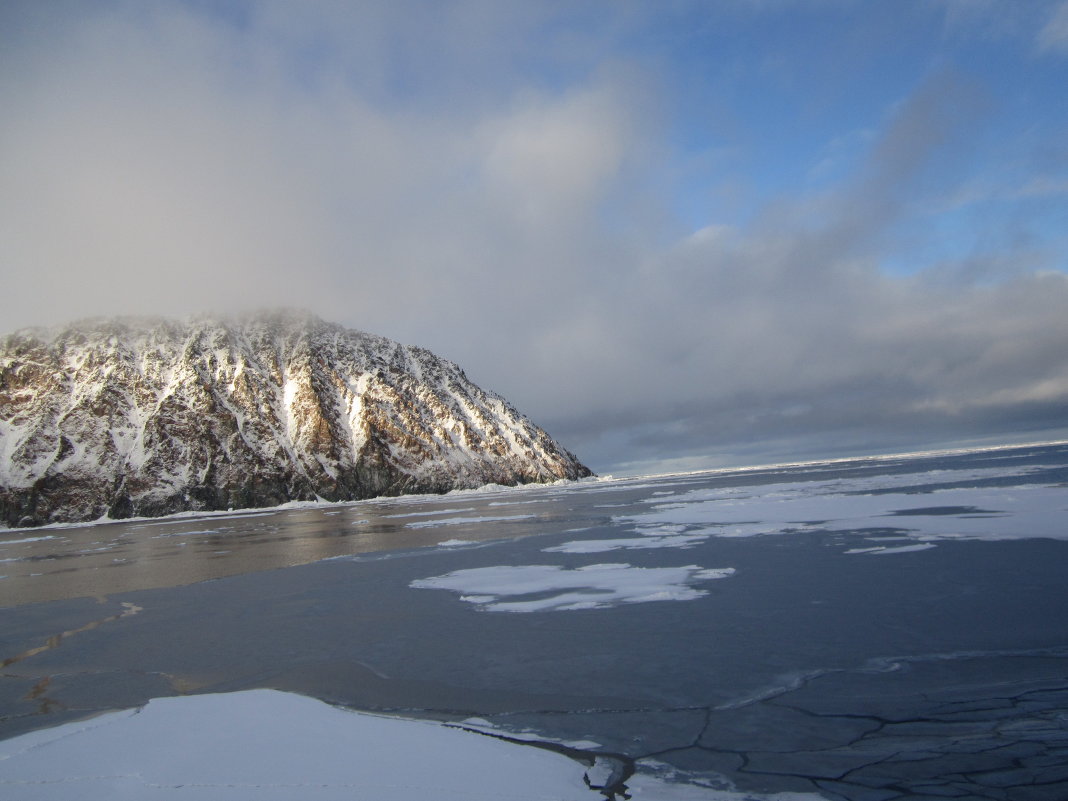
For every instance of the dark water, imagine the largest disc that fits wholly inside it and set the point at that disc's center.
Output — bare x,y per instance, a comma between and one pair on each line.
892,628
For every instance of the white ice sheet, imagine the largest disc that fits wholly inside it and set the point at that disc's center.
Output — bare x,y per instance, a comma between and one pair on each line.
562,589
265,745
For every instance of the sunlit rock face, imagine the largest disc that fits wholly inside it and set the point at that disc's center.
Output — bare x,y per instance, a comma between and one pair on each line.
133,417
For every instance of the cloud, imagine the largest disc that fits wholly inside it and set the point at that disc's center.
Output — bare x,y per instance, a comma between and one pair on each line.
497,182
1054,34
550,159
788,329
135,174
196,163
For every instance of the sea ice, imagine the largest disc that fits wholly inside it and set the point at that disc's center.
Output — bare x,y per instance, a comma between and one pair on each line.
879,549
660,536
460,521
590,587
432,512
266,745
849,505
629,543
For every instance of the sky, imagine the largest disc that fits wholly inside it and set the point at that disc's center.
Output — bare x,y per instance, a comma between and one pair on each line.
677,234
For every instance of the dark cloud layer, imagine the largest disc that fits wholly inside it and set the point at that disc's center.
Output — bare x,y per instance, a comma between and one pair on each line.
500,182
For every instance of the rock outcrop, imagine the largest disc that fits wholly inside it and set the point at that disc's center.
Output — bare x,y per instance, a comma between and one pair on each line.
132,417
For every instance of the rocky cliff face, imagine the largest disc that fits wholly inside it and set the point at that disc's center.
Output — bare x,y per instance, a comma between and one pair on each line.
148,417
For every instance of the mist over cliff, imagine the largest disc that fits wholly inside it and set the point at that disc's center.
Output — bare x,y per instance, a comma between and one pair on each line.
132,417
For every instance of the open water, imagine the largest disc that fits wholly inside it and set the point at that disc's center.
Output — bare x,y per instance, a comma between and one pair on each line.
892,628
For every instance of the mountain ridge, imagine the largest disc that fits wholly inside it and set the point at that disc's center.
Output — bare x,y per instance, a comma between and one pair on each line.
144,416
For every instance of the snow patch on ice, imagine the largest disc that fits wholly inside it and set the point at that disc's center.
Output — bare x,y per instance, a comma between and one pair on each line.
628,543
660,536
842,505
922,546
432,513
261,744
561,589
27,539
457,521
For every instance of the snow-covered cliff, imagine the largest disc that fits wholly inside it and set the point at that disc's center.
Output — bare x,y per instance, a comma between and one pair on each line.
147,416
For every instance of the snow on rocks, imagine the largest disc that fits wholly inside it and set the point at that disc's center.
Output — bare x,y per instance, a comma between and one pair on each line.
145,417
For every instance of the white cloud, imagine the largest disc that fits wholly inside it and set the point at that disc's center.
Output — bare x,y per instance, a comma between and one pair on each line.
194,166
1043,186
551,159
416,176
1054,34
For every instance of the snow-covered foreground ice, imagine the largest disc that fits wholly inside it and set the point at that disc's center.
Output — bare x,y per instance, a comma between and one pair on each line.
265,744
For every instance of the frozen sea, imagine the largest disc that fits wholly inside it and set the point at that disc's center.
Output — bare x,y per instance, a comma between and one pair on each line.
868,629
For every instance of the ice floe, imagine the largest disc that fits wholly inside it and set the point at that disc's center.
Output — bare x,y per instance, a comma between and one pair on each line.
463,521
983,513
650,537
269,745
667,537
432,512
556,588
266,744
879,549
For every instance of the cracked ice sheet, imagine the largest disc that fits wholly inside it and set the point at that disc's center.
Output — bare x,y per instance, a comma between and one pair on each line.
590,587
1008,513
266,745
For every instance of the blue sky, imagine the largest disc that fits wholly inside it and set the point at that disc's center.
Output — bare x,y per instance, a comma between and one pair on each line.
674,233
807,88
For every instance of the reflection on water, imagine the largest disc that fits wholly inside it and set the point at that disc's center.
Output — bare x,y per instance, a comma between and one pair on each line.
99,560
128,609
44,703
